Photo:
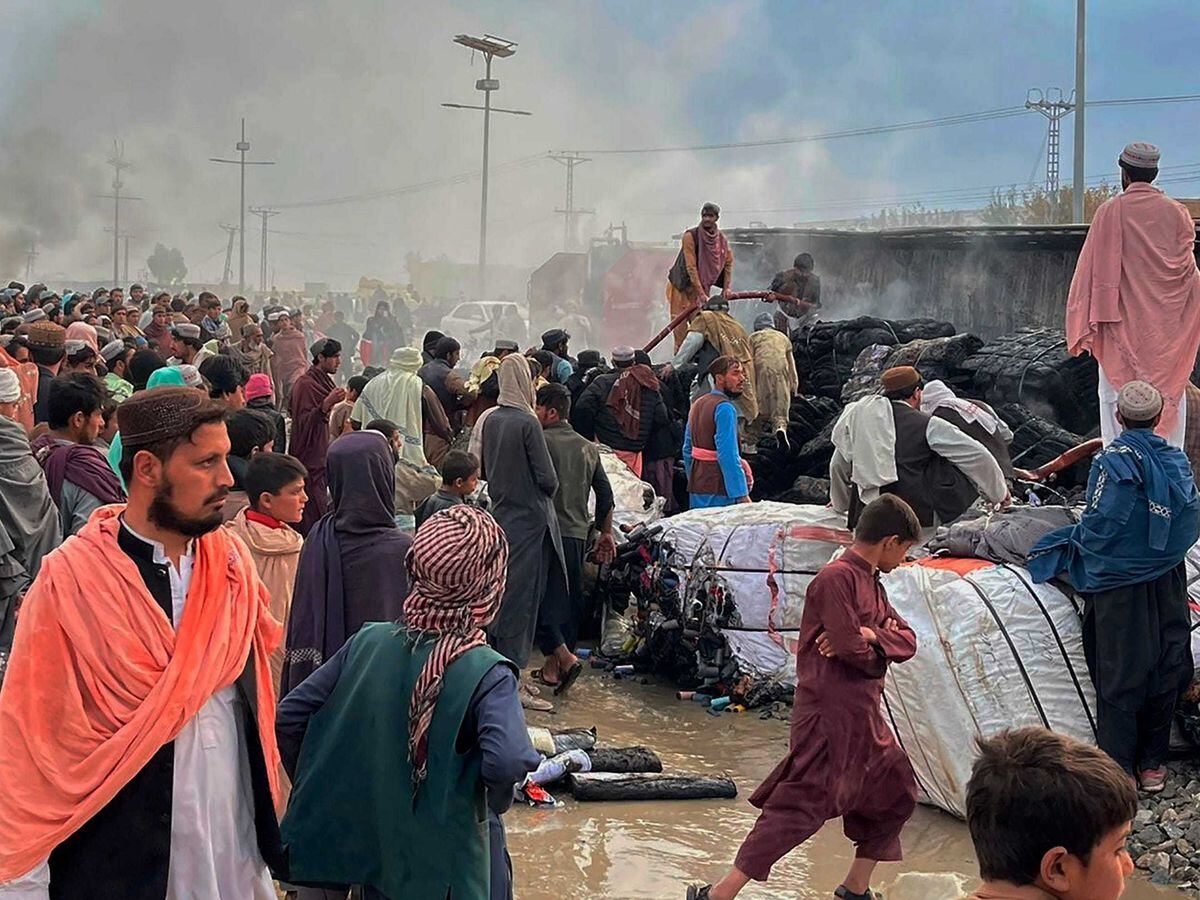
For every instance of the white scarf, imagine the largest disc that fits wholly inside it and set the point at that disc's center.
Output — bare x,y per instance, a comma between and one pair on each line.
937,395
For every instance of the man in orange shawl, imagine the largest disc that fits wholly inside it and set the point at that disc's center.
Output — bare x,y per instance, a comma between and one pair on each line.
705,261
137,728
1135,298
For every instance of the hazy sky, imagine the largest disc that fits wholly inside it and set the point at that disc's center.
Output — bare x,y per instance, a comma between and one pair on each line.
344,96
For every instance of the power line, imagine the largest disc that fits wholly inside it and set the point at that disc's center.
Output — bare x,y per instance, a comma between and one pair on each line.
1170,175
533,159
416,187
1005,112
987,115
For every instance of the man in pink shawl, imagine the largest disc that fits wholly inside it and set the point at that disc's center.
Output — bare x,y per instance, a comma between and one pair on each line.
290,359
705,261
1135,297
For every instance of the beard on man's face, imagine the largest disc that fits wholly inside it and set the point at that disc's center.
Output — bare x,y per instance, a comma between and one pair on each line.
166,515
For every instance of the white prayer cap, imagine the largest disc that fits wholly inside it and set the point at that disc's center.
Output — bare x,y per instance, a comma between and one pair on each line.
1139,401
10,387
1140,155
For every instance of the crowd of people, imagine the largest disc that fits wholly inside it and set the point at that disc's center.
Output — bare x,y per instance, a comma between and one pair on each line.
261,622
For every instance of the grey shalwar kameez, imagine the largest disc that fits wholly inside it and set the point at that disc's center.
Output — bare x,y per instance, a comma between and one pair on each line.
521,484
29,519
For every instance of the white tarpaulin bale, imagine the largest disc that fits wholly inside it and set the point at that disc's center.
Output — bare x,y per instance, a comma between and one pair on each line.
745,547
994,651
635,500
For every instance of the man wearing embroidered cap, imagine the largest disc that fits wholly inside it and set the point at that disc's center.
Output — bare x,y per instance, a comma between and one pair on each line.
1126,556
886,445
1135,297
116,356
47,343
168,784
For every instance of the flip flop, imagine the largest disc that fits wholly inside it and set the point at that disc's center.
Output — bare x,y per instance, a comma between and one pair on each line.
572,673
536,675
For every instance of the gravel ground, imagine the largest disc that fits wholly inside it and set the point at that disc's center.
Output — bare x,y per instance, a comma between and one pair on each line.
1166,831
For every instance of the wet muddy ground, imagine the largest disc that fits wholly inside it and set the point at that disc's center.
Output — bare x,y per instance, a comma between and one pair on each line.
654,850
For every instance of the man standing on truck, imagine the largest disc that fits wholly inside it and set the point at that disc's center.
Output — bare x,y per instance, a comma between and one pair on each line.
1135,297
705,261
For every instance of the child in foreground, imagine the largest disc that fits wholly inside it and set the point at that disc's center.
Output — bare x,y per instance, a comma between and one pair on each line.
1049,817
843,760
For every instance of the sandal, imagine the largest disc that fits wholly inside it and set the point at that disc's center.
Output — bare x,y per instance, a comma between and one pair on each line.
698,891
537,676
844,893
572,673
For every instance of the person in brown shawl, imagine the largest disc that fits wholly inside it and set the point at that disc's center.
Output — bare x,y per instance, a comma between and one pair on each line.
620,409
705,261
313,396
290,359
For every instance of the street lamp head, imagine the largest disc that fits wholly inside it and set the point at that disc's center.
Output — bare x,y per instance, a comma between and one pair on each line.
489,44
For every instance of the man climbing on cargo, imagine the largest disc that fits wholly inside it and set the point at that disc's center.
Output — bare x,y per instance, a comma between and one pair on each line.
802,283
886,445
1135,297
713,333
717,475
1126,556
843,760
775,376
621,409
704,262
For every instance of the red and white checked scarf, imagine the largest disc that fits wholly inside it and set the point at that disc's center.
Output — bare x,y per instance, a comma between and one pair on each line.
457,567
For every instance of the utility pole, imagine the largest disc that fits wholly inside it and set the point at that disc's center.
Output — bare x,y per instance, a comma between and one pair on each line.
241,162
126,236
570,159
227,273
265,213
119,163
1050,103
1080,103
30,255
490,46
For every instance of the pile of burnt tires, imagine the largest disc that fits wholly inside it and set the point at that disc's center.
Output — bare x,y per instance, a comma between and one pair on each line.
1045,395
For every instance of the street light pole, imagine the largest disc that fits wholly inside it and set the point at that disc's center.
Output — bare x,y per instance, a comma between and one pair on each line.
1080,105
490,46
242,146
487,119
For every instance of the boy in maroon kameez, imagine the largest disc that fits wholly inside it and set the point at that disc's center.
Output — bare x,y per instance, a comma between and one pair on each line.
843,759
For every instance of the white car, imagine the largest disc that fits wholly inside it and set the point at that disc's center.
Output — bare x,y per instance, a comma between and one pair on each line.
479,324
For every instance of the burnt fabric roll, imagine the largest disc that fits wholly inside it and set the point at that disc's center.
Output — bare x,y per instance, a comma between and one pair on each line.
589,786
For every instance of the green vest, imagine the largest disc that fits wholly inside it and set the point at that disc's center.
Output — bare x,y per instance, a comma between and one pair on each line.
352,818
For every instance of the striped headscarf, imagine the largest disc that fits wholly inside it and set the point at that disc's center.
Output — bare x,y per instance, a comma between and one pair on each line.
457,567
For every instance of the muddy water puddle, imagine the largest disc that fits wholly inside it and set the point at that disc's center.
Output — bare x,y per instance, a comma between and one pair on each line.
655,849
